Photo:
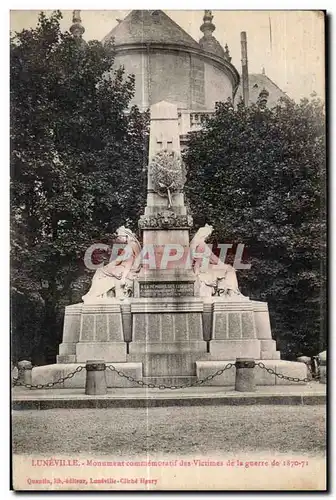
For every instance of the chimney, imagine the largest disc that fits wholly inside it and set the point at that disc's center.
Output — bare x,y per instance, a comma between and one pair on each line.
245,78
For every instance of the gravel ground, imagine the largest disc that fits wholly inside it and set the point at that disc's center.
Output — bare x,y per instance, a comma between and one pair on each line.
172,430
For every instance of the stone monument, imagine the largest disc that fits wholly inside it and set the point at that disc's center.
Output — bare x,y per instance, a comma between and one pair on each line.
156,311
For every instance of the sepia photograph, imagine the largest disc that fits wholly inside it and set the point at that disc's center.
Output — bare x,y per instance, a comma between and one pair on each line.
168,250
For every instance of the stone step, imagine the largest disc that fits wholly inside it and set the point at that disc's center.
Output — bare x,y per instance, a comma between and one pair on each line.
170,380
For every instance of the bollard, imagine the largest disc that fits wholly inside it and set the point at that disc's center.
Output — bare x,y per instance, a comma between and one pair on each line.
25,372
323,367
14,371
308,362
245,375
95,383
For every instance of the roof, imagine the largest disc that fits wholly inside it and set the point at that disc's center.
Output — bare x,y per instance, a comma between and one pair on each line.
257,82
149,26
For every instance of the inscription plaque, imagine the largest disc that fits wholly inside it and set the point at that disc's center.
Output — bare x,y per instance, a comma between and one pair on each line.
167,289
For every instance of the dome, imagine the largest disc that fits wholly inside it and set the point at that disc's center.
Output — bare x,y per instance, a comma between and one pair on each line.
148,27
169,65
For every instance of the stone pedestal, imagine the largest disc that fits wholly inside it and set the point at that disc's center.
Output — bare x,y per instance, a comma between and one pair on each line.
166,331
167,336
173,338
93,331
241,328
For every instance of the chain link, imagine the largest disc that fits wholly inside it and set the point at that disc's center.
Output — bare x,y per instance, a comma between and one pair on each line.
142,383
17,382
280,375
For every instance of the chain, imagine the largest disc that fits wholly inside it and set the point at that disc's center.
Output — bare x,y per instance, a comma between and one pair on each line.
141,383
16,381
280,375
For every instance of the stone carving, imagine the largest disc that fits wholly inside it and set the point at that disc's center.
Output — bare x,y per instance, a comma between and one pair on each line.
214,277
165,220
168,173
116,278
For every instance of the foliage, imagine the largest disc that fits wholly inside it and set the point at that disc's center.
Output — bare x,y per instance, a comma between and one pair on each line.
258,176
167,171
74,150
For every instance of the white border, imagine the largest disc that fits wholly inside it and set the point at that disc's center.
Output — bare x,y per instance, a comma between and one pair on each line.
4,198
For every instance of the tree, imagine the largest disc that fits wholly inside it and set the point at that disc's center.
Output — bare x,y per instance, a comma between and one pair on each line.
262,177
77,162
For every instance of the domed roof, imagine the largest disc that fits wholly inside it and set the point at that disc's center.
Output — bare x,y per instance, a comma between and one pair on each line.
149,26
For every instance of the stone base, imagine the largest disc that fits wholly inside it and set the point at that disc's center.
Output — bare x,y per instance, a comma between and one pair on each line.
227,378
51,373
169,381
106,351
167,347
66,358
232,349
168,337
168,364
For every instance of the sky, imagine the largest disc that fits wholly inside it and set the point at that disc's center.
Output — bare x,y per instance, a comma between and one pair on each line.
288,44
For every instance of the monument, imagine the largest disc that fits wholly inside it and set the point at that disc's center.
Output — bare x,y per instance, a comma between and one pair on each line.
167,310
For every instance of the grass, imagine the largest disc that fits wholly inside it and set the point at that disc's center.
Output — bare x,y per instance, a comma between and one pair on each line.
171,431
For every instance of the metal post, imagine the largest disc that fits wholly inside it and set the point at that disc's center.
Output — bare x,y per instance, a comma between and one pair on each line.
25,372
245,75
245,375
95,383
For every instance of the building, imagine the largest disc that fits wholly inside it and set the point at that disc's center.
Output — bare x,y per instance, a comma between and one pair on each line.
169,65
258,82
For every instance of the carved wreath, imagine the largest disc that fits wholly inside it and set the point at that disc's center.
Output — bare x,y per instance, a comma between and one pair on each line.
168,173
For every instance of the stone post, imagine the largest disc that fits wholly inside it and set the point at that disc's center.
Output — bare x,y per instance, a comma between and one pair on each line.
207,316
25,372
126,317
245,375
307,361
95,383
323,367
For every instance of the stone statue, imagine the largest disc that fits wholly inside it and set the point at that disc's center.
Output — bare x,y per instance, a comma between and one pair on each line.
116,278
215,277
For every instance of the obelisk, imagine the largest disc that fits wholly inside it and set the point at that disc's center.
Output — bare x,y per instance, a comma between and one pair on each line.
165,227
